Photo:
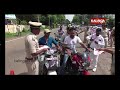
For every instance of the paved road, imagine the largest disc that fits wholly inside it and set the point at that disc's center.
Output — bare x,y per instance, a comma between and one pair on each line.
15,54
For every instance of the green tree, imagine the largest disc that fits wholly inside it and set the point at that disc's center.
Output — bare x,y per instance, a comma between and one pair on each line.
76,19
43,19
110,22
23,22
27,17
67,21
60,18
53,20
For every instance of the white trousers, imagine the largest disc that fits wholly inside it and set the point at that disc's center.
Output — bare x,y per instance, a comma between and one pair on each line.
94,60
33,67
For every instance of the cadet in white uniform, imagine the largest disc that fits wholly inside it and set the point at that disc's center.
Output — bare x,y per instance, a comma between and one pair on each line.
97,42
32,49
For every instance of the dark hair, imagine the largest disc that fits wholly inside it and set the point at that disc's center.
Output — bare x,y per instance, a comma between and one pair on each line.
98,30
68,28
33,27
72,29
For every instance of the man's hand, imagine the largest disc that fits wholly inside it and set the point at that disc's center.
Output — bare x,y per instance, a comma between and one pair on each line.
59,49
44,49
101,49
41,45
90,50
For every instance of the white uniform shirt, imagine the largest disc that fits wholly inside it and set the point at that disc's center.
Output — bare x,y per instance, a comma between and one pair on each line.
99,39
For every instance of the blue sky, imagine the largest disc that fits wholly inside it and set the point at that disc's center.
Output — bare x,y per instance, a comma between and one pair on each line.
69,16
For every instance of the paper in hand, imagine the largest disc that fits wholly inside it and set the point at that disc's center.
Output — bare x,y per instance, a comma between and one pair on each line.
45,46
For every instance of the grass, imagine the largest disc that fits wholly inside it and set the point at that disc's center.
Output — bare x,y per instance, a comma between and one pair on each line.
23,33
12,35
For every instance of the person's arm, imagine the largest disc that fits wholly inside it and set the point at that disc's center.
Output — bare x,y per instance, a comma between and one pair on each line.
82,44
55,43
39,52
33,50
89,38
106,50
41,45
112,33
79,31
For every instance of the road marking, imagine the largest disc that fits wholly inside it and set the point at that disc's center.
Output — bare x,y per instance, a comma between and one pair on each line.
13,39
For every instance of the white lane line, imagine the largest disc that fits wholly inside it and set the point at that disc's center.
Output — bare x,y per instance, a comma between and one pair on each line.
13,39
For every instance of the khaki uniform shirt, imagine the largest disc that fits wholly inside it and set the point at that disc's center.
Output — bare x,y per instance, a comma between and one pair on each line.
31,45
105,32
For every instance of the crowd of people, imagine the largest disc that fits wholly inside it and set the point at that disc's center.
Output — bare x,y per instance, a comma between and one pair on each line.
95,37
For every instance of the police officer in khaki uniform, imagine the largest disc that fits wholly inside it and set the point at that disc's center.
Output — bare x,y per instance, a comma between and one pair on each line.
32,49
105,34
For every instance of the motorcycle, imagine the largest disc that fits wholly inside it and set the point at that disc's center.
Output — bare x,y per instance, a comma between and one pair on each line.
51,62
78,63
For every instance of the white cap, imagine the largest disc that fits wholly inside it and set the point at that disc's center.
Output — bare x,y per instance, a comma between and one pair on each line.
35,24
